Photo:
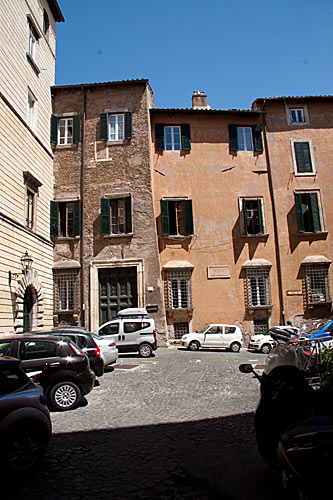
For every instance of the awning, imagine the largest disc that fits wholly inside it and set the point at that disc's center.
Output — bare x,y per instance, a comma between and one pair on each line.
315,259
67,264
178,264
257,263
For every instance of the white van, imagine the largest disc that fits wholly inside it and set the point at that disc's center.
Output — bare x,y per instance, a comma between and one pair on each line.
214,335
131,331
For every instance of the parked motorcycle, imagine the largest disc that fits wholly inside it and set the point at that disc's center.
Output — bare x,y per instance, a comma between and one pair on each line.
293,423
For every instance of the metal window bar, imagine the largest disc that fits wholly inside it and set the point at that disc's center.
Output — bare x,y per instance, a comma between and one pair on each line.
317,284
258,287
260,326
66,291
180,329
179,290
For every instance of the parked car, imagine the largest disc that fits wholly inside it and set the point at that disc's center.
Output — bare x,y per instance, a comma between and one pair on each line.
25,424
85,341
131,331
214,335
323,332
56,363
264,342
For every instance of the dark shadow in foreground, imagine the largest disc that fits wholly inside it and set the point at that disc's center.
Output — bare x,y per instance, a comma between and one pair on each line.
201,460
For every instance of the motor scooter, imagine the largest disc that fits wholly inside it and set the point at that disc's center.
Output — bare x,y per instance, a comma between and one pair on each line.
293,423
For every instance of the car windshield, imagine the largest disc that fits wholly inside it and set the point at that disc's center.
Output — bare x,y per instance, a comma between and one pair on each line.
202,329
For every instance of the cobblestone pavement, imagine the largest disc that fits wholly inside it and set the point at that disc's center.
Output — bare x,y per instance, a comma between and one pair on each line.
175,426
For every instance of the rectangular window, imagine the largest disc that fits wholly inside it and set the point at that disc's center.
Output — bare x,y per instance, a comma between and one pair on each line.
303,163
317,284
172,137
297,115
65,131
245,138
32,41
177,217
253,220
179,289
116,215
115,126
180,329
260,326
65,219
308,213
31,110
30,208
258,287
66,288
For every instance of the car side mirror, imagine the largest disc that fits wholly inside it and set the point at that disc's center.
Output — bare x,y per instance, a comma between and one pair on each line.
246,368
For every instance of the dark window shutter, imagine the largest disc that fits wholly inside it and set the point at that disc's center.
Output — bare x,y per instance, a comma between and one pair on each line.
315,212
105,216
186,136
128,215
54,129
257,138
233,142
77,218
103,126
54,209
128,125
76,129
261,216
165,217
303,157
159,136
188,217
299,212
244,210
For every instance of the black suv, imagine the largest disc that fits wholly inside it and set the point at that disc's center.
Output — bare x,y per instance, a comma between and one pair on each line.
56,363
86,343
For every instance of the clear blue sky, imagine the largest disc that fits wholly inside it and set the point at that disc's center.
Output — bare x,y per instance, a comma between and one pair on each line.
235,51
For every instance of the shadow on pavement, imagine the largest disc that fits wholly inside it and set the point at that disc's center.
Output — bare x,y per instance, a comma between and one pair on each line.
206,459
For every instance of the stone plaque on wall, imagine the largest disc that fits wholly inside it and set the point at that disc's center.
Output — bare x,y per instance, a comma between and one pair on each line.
215,272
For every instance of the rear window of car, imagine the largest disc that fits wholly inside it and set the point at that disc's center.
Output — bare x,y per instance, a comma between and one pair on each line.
230,329
11,379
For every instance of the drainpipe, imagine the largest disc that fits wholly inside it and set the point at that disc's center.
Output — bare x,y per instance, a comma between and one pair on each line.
82,188
275,223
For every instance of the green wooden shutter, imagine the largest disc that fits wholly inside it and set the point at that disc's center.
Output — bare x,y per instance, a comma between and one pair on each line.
261,216
299,212
186,136
257,138
244,215
188,217
103,126
159,136
233,142
54,210
128,215
77,217
105,216
303,157
165,217
54,129
76,129
128,125
315,212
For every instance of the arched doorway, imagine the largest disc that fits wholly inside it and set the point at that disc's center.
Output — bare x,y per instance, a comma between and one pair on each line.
28,306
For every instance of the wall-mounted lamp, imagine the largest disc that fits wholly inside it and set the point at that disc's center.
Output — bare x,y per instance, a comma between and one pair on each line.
26,262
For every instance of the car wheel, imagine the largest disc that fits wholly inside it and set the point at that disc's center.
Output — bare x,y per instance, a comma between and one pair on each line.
265,349
25,448
194,345
235,347
65,396
145,350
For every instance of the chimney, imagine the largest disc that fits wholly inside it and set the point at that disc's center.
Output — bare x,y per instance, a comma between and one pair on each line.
199,100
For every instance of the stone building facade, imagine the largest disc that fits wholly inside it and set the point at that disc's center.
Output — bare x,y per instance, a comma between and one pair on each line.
243,231
102,224
27,66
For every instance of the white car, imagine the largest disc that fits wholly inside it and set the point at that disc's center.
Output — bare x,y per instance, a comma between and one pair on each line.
214,335
262,342
109,351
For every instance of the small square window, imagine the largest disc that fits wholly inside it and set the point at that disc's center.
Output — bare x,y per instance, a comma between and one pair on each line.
297,115
177,217
65,219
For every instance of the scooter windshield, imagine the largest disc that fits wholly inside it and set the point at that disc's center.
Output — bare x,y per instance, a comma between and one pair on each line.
286,355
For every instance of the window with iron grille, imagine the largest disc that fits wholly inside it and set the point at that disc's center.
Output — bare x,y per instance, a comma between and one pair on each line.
258,287
317,284
180,329
66,290
179,290
260,326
